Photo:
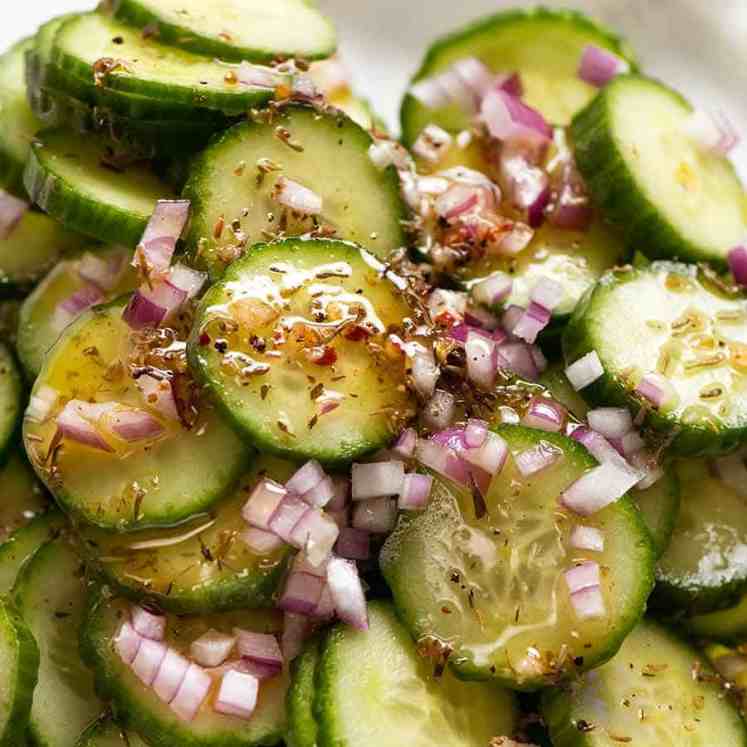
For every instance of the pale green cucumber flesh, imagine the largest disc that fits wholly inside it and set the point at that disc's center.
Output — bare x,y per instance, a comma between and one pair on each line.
659,506
493,589
302,726
11,392
140,485
232,200
23,498
51,594
668,319
646,695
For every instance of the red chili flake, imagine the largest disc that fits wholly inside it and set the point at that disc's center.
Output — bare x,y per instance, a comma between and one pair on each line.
204,339
323,355
356,333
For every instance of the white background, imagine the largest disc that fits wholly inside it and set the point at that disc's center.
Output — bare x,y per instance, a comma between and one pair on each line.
697,45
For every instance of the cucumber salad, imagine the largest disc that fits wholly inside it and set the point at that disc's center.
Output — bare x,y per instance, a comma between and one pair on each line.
316,435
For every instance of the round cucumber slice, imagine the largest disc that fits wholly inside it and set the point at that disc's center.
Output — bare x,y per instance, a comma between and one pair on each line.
38,329
255,333
105,733
11,391
139,708
23,497
493,590
236,29
365,678
560,389
705,565
657,690
20,657
659,506
50,594
676,321
17,122
302,727
202,566
33,247
143,484
543,46
232,197
76,179
669,198
17,549
728,624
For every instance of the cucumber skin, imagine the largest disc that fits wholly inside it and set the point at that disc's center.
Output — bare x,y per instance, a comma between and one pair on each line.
12,410
27,674
133,13
101,733
728,625
610,391
96,652
614,189
410,104
303,726
661,537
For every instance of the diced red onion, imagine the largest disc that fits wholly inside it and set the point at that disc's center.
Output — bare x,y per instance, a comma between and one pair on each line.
430,93
377,479
260,541
288,513
321,494
458,92
537,458
170,675
148,660
158,394
611,422
712,131
439,411
416,491
534,319
733,472
301,593
375,515
477,316
511,317
431,143
599,66
85,297
586,370
600,448
515,241
341,517
475,75
648,468
539,359
588,603
548,293
142,312
12,210
475,433
425,372
442,459
347,593
354,544
598,488
546,414
507,117
518,357
631,443
41,404
316,533
261,648
103,272
303,563
134,425
127,642
212,648
192,693
572,211
186,279
587,538
482,365
296,628
493,289
405,444
306,478
237,695
447,307
385,153
325,610
263,502
256,76
164,229
657,389
738,264
510,83
582,576
148,624
490,456
73,426
341,495
298,198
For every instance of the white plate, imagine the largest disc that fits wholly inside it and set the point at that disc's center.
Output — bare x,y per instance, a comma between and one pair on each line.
695,45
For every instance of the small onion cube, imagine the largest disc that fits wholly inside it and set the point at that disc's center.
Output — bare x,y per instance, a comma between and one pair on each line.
545,414
296,197
587,538
158,394
434,455
537,458
262,648
490,457
301,593
134,425
354,544
316,533
72,425
262,672
305,478
148,660
582,576
534,319
104,272
425,373
147,624
296,629
341,517
416,491
261,542
302,563
347,593
738,264
482,366
377,479
42,402
321,494
438,412
599,66
170,676
192,693
598,488
432,143
186,279
142,312
657,389
375,515
211,649
325,610
548,293
611,422
429,93
493,289
12,210
263,502
127,643
405,444
648,469
288,514
475,433
585,371
518,357
631,443
475,75
237,695
341,495
164,228
507,117
588,603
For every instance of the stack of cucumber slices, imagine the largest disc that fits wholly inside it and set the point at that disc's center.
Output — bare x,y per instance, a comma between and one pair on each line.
312,436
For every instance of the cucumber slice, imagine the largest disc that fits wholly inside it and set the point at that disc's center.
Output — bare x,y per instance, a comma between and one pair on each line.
139,708
728,625
302,727
17,549
659,506
276,397
543,46
11,391
360,202
493,589
71,177
374,688
670,199
20,667
559,388
137,485
236,29
17,122
23,497
50,594
34,246
575,259
648,694
674,320
170,83
705,566
38,329
203,566
105,733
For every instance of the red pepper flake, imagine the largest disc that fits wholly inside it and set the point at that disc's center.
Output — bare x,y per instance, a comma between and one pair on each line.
356,333
204,339
323,355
